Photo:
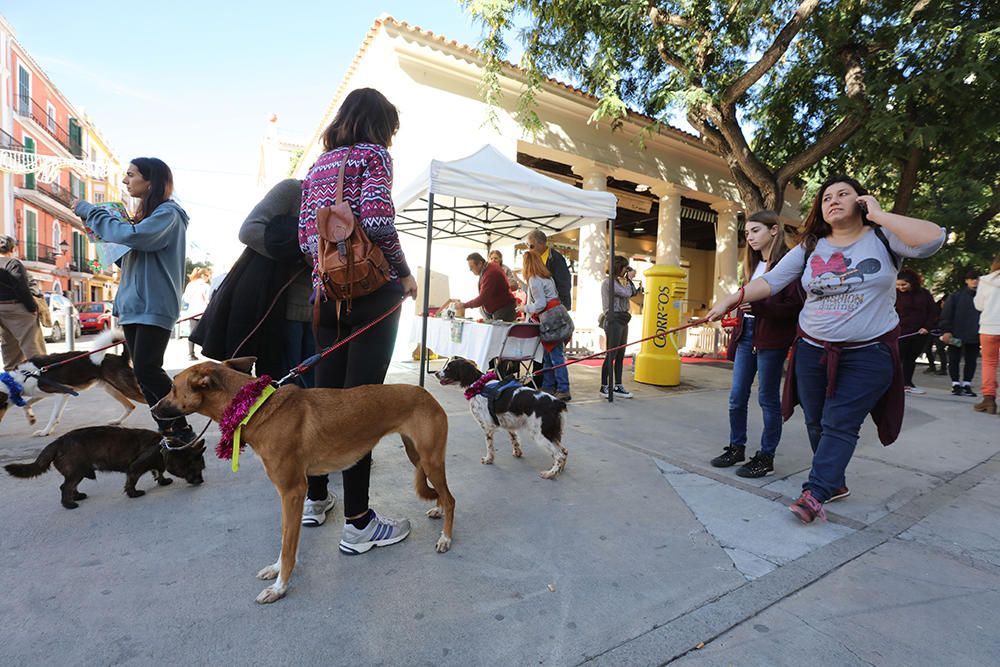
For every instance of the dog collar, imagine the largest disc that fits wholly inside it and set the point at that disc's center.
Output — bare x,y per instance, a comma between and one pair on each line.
14,389
477,387
238,413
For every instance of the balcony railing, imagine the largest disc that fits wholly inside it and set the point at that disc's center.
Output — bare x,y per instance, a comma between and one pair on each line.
7,142
55,192
29,108
37,252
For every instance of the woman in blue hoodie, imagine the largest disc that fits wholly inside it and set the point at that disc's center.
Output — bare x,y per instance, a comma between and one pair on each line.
152,274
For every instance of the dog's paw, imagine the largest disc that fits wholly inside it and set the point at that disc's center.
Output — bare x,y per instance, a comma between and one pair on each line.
42,432
32,420
164,481
269,572
549,474
486,460
443,544
116,422
135,493
79,496
517,453
272,593
70,505
435,512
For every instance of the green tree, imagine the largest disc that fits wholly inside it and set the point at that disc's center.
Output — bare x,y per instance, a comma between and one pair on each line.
805,76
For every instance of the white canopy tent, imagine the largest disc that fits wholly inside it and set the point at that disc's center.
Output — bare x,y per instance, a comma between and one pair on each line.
486,197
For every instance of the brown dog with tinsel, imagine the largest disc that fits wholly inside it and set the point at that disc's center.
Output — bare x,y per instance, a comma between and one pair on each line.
299,432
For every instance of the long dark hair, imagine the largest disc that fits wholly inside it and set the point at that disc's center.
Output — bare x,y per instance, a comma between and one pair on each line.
912,277
619,266
815,227
778,245
161,184
365,117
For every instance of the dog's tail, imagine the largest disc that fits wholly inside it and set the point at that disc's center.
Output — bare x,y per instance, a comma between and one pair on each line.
423,489
105,338
38,466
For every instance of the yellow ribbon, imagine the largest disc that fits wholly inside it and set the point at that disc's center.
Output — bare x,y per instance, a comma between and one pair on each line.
264,395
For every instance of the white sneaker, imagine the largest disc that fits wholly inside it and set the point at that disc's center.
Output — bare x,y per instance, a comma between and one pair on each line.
380,532
914,390
314,511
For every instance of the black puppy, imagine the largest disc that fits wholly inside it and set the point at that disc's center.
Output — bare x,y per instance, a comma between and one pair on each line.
133,451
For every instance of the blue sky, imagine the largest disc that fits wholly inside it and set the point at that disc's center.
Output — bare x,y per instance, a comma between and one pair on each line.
194,82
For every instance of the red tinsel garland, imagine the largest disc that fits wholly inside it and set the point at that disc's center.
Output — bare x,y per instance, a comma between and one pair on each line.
478,385
235,412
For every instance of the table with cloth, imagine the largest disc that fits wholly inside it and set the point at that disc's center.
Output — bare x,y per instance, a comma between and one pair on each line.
478,341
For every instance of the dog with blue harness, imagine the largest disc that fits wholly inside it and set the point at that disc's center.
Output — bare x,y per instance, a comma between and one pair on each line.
509,405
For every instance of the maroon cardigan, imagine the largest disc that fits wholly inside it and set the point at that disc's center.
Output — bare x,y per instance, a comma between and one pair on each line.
916,310
494,292
887,412
776,323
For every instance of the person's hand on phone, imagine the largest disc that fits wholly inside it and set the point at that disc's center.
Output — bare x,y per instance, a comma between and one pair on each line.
869,205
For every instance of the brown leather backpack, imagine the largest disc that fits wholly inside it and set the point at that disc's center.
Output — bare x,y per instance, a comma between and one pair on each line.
349,264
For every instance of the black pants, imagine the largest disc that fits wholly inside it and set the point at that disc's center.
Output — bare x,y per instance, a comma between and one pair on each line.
616,333
146,345
506,313
933,345
970,353
365,360
909,349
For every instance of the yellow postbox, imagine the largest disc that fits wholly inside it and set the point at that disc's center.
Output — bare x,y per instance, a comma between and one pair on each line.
658,361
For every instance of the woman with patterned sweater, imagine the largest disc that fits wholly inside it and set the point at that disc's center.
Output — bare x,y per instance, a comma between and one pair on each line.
361,132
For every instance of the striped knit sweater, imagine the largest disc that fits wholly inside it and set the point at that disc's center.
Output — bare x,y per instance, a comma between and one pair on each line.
368,188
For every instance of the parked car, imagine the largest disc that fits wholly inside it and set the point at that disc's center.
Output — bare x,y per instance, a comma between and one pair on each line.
60,306
94,315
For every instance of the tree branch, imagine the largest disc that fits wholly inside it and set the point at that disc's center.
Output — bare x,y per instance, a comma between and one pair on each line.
661,18
737,88
907,181
725,120
854,85
671,58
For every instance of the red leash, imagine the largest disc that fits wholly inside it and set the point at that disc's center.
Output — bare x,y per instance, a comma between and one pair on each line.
660,334
43,369
318,357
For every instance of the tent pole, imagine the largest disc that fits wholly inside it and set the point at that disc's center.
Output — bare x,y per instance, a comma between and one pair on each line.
611,305
424,357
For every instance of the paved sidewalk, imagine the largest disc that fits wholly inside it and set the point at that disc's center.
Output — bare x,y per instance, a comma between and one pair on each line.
638,554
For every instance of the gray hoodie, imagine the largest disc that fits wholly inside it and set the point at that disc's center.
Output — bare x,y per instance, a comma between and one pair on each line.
152,277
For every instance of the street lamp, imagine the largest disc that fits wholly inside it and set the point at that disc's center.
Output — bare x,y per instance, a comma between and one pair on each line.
63,247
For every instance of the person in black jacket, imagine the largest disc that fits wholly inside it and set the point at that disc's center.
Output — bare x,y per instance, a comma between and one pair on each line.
21,334
960,331
555,263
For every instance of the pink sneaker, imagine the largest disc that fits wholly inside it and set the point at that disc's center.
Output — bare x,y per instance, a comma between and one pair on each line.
807,508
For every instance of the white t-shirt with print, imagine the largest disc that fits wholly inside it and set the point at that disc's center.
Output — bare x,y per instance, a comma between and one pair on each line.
850,290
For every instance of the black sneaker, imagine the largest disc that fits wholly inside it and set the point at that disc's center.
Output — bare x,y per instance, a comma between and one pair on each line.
956,390
967,391
930,370
760,465
730,456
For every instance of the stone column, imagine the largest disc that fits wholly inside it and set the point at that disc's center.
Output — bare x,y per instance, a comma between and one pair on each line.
726,249
668,226
593,252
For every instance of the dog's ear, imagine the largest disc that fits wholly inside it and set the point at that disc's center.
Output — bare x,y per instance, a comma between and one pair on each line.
202,381
241,364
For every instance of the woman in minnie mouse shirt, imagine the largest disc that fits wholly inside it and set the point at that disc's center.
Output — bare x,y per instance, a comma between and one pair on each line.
845,361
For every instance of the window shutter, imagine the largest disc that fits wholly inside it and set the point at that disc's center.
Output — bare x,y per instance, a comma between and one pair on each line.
30,236
23,91
29,147
75,138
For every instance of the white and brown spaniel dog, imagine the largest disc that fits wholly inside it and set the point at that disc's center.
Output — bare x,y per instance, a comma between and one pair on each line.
512,407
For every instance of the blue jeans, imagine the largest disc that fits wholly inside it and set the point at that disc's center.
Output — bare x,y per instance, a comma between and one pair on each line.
833,423
558,378
768,364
